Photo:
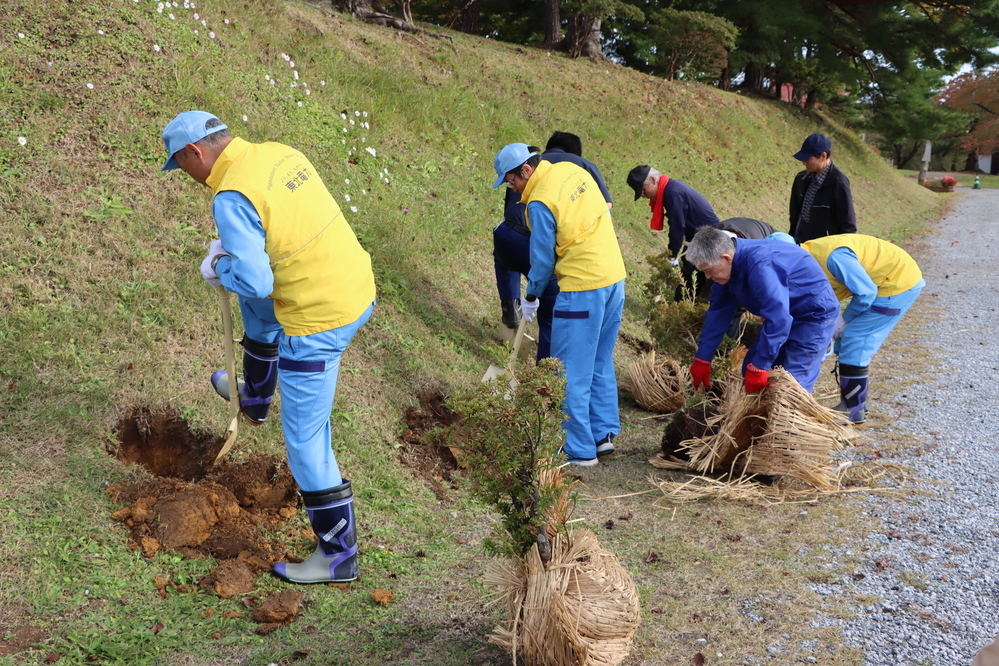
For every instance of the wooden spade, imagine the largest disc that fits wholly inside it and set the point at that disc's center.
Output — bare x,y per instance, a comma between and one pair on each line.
494,371
230,360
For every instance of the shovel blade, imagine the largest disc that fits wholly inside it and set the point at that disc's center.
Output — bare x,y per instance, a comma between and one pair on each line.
492,372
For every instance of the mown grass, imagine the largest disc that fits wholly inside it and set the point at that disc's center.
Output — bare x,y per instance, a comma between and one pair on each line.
104,311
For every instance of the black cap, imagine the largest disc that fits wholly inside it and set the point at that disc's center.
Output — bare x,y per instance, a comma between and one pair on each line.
813,145
636,179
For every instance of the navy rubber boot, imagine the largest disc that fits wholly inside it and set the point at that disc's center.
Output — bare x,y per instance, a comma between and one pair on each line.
331,513
853,392
260,376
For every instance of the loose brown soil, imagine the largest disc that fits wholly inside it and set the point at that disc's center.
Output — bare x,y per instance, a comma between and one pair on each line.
198,509
436,465
691,423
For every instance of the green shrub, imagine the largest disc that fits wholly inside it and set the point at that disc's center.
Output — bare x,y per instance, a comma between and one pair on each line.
511,440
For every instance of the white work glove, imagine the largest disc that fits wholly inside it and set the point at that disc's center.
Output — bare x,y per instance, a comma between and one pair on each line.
528,308
840,325
215,250
673,261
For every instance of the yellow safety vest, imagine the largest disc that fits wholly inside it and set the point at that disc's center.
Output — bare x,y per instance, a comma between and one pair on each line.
587,255
322,275
889,266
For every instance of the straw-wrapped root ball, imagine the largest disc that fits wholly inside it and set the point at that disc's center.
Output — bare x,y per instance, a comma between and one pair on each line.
579,609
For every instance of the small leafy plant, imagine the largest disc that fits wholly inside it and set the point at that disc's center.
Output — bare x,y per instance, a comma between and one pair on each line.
511,440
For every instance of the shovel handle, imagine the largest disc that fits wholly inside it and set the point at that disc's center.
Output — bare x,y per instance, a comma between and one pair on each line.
518,340
230,362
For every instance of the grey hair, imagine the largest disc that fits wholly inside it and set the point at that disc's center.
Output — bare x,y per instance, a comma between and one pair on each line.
708,245
214,139
653,177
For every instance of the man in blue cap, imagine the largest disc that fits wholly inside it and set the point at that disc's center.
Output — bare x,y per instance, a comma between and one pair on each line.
772,279
512,240
821,201
572,235
305,287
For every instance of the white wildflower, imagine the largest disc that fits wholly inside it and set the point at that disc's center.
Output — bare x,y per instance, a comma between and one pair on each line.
351,121
300,104
364,192
267,77
353,209
20,35
323,82
226,21
195,31
295,74
172,17
211,34
156,47
204,23
344,129
347,181
292,63
343,141
273,82
371,150
245,119
294,85
90,86
365,114
357,113
196,17
285,56
21,140
100,32
385,179
308,92
344,116
346,198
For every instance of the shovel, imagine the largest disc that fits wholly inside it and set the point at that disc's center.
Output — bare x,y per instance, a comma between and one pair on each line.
494,371
230,360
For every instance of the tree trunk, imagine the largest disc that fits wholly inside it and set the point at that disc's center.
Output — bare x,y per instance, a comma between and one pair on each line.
553,24
470,17
584,38
372,12
971,164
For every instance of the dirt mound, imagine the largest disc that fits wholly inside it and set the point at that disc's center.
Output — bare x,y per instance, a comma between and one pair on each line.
200,510
436,465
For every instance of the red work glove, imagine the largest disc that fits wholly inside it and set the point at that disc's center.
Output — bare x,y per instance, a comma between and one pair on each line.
756,378
700,371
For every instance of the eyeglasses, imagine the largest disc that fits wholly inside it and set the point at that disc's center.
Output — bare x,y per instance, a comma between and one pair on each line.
510,176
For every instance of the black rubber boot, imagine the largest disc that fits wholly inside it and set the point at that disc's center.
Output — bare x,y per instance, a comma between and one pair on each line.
331,513
853,392
260,376
511,312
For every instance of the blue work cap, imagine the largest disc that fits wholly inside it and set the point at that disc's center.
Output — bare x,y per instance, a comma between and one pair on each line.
187,127
508,159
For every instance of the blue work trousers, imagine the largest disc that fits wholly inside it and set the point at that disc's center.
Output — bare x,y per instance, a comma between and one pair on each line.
308,368
802,353
865,333
584,332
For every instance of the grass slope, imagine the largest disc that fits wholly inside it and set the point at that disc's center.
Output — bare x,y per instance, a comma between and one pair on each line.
104,310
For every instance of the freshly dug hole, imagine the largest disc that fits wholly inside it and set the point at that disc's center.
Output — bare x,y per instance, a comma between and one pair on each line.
164,444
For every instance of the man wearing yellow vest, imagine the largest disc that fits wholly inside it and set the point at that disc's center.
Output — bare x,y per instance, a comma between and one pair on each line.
305,287
884,282
572,235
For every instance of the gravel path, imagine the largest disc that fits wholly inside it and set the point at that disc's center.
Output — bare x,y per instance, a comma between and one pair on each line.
946,542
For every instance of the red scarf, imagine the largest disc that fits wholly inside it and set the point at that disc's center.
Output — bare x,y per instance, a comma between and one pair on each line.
658,210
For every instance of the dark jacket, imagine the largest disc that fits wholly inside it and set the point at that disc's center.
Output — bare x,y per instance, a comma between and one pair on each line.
687,211
746,227
832,210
